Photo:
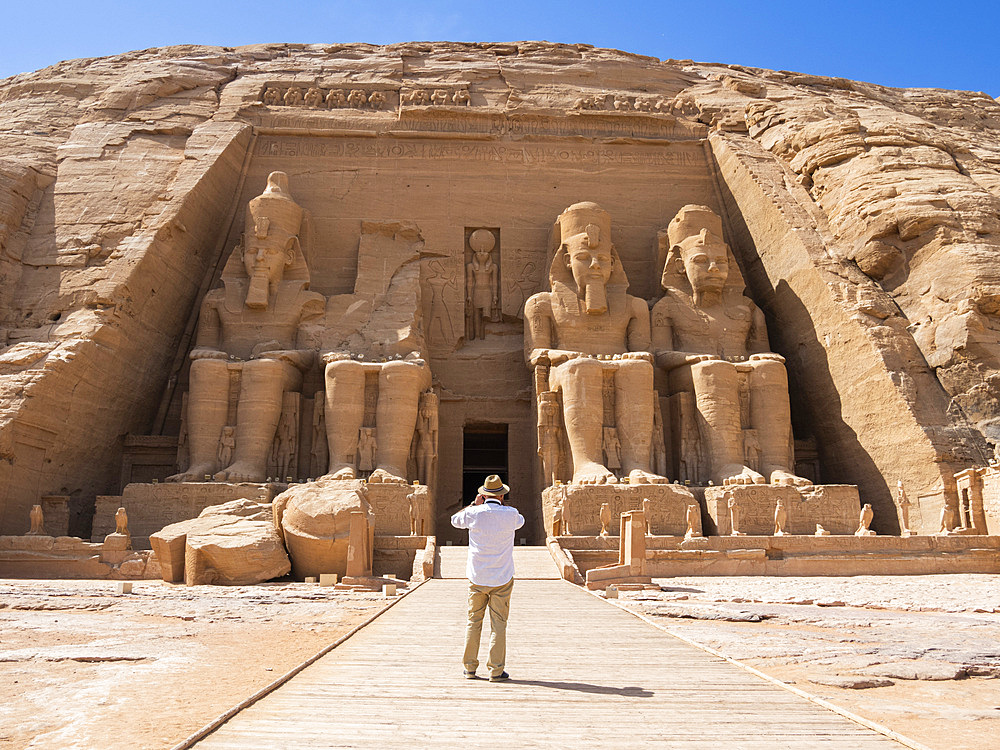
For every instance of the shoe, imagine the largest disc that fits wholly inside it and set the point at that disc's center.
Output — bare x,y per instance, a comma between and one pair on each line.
470,675
502,677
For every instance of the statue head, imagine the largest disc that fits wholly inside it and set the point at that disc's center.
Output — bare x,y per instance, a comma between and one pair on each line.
482,242
270,242
586,258
696,244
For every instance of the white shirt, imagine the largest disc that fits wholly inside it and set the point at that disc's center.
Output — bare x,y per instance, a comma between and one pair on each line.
491,541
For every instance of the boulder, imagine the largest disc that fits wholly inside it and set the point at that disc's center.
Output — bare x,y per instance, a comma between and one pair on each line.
232,544
315,521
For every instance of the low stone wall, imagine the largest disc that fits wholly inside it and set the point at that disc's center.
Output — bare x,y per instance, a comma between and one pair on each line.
836,507
581,506
72,557
150,507
796,555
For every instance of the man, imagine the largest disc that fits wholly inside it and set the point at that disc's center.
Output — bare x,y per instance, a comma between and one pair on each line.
490,569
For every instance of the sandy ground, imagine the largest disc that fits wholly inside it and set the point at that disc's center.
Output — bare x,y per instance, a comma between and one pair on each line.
83,668
917,654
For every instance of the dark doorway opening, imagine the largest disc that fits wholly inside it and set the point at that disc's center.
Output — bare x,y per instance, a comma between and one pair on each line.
484,452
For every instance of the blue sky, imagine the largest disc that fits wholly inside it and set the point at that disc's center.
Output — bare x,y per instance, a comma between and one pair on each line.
918,43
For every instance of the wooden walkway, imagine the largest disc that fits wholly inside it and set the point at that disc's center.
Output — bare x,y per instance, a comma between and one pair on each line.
585,675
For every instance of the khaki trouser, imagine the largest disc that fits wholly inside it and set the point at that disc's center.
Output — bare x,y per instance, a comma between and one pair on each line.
498,600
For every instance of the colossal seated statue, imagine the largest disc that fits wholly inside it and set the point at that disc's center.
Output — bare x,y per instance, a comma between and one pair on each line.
589,333
251,328
713,342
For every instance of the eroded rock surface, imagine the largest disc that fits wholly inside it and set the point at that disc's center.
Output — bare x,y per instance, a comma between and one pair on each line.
864,220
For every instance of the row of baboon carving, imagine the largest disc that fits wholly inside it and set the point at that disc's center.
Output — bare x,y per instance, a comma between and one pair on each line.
622,103
317,98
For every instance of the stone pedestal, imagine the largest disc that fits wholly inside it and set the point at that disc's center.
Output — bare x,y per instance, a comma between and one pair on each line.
150,507
834,506
581,506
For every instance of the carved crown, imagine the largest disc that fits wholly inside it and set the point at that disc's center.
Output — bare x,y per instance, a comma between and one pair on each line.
273,212
585,218
691,220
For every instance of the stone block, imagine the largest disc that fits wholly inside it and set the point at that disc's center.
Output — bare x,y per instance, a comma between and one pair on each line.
123,587
834,506
325,579
581,506
235,543
150,507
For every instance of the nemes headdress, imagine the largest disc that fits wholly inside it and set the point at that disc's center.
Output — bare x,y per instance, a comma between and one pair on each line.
585,218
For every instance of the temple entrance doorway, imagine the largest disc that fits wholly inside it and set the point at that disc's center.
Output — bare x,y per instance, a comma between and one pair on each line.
484,452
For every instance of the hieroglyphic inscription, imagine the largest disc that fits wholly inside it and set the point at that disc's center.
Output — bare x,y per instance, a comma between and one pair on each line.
526,154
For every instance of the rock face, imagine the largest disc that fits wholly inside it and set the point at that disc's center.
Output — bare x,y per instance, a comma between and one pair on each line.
315,521
864,221
234,543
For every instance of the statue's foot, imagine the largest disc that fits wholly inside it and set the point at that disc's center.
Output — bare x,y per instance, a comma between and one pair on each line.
193,474
594,473
787,479
638,476
241,472
737,474
386,477
345,472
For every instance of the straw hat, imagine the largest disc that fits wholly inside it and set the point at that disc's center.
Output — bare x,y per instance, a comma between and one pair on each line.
493,486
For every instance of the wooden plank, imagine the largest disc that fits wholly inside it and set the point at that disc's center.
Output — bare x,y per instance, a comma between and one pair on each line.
585,675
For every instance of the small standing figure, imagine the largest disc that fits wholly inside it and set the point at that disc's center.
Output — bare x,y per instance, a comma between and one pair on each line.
336,99
658,445
947,520
751,449
557,519
461,98
37,521
780,518
318,450
293,97
647,513
864,521
121,522
367,447
481,284
548,435
693,522
734,518
427,437
419,512
612,449
903,503
227,442
605,518
440,96
377,100
284,445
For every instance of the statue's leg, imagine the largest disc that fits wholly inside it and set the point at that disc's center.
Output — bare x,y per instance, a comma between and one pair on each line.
345,412
581,383
716,390
262,386
634,415
771,416
208,406
399,387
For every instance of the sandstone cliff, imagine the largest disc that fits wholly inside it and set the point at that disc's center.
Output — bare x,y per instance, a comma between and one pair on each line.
865,219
